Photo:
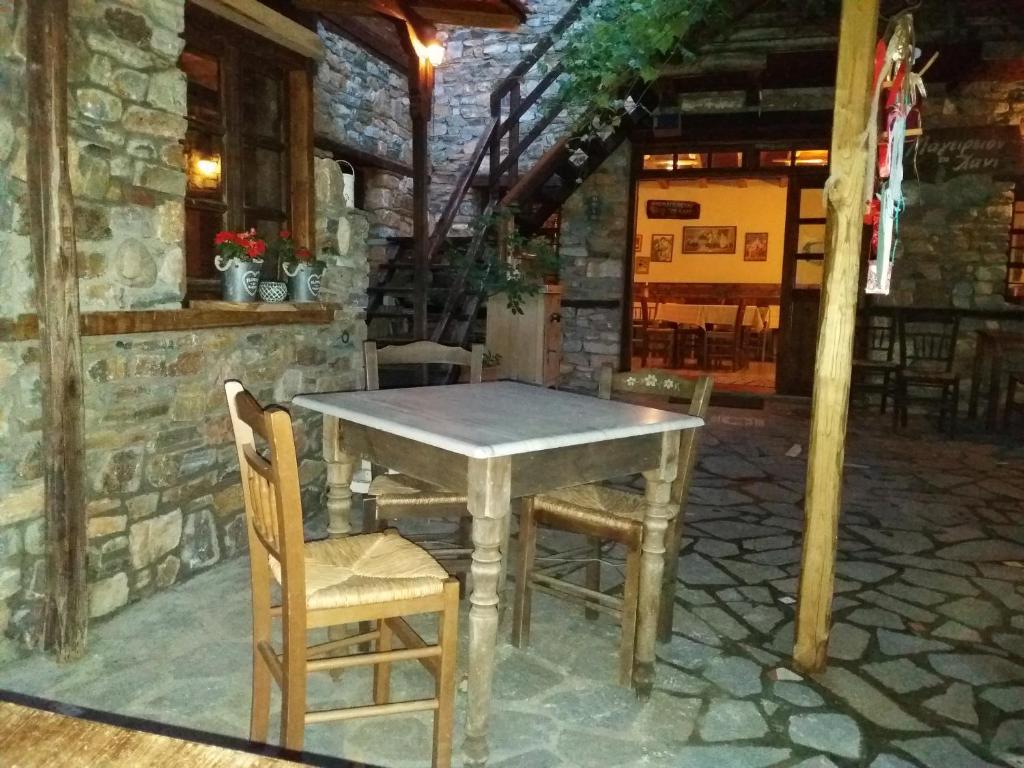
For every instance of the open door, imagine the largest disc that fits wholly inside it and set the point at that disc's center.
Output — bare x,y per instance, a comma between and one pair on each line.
802,272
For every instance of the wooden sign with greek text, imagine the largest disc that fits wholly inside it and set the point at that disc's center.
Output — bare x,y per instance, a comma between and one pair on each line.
944,153
673,209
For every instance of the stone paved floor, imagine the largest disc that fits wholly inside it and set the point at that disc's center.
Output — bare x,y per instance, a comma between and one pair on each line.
927,653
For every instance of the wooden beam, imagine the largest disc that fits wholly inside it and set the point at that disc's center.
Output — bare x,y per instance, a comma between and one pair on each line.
356,156
300,157
421,87
844,196
52,222
265,22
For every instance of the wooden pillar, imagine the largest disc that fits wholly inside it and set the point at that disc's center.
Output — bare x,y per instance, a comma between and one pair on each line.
52,220
421,91
844,195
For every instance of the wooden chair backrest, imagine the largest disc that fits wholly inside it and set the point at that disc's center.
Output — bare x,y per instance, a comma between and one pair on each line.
422,353
928,342
875,337
657,388
270,483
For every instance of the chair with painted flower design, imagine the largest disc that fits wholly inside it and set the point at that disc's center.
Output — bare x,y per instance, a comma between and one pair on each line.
609,515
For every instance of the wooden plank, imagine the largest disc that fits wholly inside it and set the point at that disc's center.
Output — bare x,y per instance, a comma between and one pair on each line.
356,156
832,370
52,222
300,157
421,85
257,17
418,460
41,739
26,327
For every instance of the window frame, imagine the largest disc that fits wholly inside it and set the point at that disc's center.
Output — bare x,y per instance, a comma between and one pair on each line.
208,33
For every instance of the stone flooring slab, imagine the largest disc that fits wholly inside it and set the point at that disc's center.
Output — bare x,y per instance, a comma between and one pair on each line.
926,656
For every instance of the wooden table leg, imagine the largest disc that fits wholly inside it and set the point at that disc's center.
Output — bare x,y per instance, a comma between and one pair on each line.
489,500
652,563
979,364
339,480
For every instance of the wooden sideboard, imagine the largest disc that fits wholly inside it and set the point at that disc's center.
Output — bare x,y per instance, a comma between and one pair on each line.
530,344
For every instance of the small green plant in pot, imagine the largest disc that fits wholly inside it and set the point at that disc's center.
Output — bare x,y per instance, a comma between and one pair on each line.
492,365
239,260
304,273
511,265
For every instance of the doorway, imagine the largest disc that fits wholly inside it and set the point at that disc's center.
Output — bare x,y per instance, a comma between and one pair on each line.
727,261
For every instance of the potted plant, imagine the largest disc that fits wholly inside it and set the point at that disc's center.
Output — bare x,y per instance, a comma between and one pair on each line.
275,291
492,365
239,260
304,273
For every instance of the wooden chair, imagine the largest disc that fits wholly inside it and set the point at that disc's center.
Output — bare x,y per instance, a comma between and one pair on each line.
927,356
875,368
377,577
607,514
393,497
656,339
724,339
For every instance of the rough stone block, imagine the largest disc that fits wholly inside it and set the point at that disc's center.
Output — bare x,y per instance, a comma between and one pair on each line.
149,539
107,595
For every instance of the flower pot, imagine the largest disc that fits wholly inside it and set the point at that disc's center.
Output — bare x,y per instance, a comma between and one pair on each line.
239,279
273,291
304,280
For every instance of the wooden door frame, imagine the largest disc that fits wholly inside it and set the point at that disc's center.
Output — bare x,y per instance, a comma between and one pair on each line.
638,174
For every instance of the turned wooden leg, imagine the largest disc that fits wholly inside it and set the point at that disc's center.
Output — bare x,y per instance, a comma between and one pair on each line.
489,499
652,562
340,466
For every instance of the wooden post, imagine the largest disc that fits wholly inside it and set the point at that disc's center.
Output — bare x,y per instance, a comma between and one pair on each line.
52,220
421,91
844,192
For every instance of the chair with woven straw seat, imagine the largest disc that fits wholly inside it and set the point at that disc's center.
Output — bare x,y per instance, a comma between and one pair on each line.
608,514
394,497
378,577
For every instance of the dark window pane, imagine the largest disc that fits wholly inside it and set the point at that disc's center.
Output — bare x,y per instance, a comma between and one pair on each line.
201,225
261,106
263,176
689,160
204,91
812,157
775,158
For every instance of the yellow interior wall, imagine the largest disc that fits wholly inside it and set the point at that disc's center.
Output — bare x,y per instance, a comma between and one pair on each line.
750,205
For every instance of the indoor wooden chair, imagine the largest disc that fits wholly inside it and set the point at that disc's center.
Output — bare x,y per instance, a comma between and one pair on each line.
393,497
724,340
927,353
656,339
607,514
875,367
379,578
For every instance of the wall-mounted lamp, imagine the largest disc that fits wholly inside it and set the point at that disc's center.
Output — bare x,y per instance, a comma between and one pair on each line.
425,43
204,171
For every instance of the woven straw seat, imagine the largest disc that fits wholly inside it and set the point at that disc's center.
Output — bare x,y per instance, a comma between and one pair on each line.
397,489
371,568
592,505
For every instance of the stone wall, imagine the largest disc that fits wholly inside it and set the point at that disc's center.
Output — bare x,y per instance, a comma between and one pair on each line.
162,496
363,102
475,61
593,252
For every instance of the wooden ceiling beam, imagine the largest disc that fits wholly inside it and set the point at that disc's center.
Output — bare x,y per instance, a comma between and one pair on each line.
388,48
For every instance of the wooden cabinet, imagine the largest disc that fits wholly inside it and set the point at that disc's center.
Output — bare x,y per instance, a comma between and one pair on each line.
530,344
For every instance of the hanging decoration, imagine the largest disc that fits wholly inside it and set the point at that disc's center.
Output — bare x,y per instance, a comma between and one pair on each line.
899,88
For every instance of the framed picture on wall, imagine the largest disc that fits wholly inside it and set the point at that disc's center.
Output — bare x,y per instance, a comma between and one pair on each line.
662,247
709,239
643,265
755,246
638,243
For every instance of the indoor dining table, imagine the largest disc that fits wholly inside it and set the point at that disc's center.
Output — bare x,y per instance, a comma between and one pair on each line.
496,442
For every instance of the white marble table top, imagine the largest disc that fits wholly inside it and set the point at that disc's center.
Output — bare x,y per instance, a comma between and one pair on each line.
495,419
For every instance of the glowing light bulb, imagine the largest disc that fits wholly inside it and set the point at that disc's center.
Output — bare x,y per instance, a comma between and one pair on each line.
435,54
208,167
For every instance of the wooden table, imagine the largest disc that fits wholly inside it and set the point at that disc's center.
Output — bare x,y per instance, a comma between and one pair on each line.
37,738
994,345
496,442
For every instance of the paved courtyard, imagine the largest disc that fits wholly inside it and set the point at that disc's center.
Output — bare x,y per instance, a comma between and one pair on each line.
927,653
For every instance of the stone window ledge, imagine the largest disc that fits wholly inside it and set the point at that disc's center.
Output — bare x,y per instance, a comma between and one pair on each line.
26,327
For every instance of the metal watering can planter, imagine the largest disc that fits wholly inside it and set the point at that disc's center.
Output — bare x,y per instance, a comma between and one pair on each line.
304,280
240,280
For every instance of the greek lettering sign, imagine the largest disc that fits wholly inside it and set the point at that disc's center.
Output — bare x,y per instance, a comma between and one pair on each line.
673,209
943,153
